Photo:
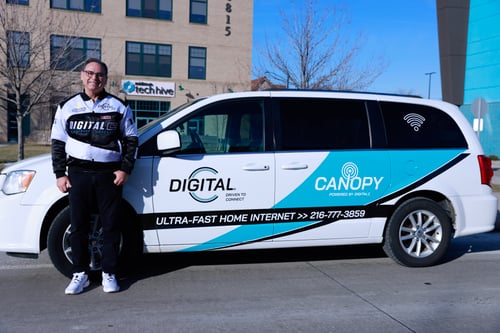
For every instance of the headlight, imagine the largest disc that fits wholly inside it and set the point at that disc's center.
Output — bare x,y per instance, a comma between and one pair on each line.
17,181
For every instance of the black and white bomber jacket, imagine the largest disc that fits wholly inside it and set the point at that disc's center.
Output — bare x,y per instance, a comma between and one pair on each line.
99,132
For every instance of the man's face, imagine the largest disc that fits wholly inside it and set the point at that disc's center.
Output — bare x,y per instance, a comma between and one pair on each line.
93,78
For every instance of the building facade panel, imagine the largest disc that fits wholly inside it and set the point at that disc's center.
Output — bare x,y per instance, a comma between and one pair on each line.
453,16
483,51
482,71
479,29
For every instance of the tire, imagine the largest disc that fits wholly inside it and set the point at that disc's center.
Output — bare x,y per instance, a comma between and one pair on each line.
418,233
59,247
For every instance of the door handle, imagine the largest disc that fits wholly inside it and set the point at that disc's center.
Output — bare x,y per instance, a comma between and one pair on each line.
256,167
294,166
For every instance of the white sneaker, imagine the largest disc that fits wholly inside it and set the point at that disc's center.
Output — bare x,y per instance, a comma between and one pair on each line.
109,283
78,282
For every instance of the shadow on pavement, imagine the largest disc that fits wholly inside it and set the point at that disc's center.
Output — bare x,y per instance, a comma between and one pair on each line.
159,264
485,242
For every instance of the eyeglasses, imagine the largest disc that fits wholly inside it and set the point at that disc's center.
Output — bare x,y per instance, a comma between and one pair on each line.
98,75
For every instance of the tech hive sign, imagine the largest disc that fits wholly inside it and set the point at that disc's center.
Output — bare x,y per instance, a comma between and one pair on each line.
148,88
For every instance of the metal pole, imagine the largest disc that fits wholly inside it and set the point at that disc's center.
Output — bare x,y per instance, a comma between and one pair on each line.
429,88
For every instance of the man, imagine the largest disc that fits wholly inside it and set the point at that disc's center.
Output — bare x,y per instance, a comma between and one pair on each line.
94,140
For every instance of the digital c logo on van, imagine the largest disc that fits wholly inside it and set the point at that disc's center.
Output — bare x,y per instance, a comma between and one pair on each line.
202,185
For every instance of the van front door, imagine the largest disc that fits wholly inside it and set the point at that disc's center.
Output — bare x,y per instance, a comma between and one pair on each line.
204,196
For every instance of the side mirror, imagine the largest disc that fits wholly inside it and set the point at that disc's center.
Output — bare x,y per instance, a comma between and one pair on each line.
168,142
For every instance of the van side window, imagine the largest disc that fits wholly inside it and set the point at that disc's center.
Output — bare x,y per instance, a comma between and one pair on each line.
323,124
420,126
235,126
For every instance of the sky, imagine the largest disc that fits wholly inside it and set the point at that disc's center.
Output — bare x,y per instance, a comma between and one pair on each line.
403,33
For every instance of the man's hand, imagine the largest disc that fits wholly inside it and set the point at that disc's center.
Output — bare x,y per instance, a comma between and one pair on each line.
121,177
63,184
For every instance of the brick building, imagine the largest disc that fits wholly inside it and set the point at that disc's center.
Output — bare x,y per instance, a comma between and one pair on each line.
160,53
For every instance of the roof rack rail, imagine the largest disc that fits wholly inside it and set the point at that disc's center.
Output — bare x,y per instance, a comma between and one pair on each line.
346,91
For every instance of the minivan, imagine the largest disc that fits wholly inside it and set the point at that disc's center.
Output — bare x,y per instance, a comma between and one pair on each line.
276,169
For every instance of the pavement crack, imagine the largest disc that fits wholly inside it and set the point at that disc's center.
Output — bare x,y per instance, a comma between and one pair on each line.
363,299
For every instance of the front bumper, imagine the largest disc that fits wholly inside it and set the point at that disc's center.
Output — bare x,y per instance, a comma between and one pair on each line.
20,225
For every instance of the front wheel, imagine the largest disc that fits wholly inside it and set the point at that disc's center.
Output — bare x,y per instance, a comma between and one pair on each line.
418,233
59,248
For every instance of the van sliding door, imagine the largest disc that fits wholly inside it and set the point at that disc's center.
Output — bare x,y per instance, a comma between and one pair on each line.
326,172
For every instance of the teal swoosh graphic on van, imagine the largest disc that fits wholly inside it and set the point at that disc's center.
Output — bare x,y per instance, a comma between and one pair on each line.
368,178
357,178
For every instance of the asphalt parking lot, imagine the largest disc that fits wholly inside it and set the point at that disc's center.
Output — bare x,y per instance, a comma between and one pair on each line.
331,289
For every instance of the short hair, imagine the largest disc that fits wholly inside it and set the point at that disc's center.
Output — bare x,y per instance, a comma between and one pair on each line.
103,65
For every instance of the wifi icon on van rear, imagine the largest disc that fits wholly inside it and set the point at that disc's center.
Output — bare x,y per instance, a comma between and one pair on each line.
414,120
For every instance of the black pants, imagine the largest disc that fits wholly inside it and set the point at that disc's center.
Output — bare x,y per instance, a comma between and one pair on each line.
90,190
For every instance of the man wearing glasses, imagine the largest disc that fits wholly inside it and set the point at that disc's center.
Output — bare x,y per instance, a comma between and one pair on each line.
94,142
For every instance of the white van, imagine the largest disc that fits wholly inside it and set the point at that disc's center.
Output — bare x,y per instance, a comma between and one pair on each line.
278,169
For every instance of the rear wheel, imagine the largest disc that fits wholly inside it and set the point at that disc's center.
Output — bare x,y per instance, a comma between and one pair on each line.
418,233
59,248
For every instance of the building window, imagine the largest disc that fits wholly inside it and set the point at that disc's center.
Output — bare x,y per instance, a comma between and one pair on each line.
19,2
18,51
157,9
148,59
91,6
146,111
197,63
198,11
12,129
69,53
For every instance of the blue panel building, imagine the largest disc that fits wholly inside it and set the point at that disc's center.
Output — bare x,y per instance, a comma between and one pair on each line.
469,39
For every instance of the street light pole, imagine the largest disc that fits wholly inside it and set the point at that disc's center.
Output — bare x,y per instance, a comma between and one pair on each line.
429,88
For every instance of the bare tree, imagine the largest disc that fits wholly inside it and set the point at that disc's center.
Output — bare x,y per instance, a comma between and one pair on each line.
318,52
28,64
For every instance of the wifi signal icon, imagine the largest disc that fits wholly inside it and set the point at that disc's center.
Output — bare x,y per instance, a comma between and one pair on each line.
414,120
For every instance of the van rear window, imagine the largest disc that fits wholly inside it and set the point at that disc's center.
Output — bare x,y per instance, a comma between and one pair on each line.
420,126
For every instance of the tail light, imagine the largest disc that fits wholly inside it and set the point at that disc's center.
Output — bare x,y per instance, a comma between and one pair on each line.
486,169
